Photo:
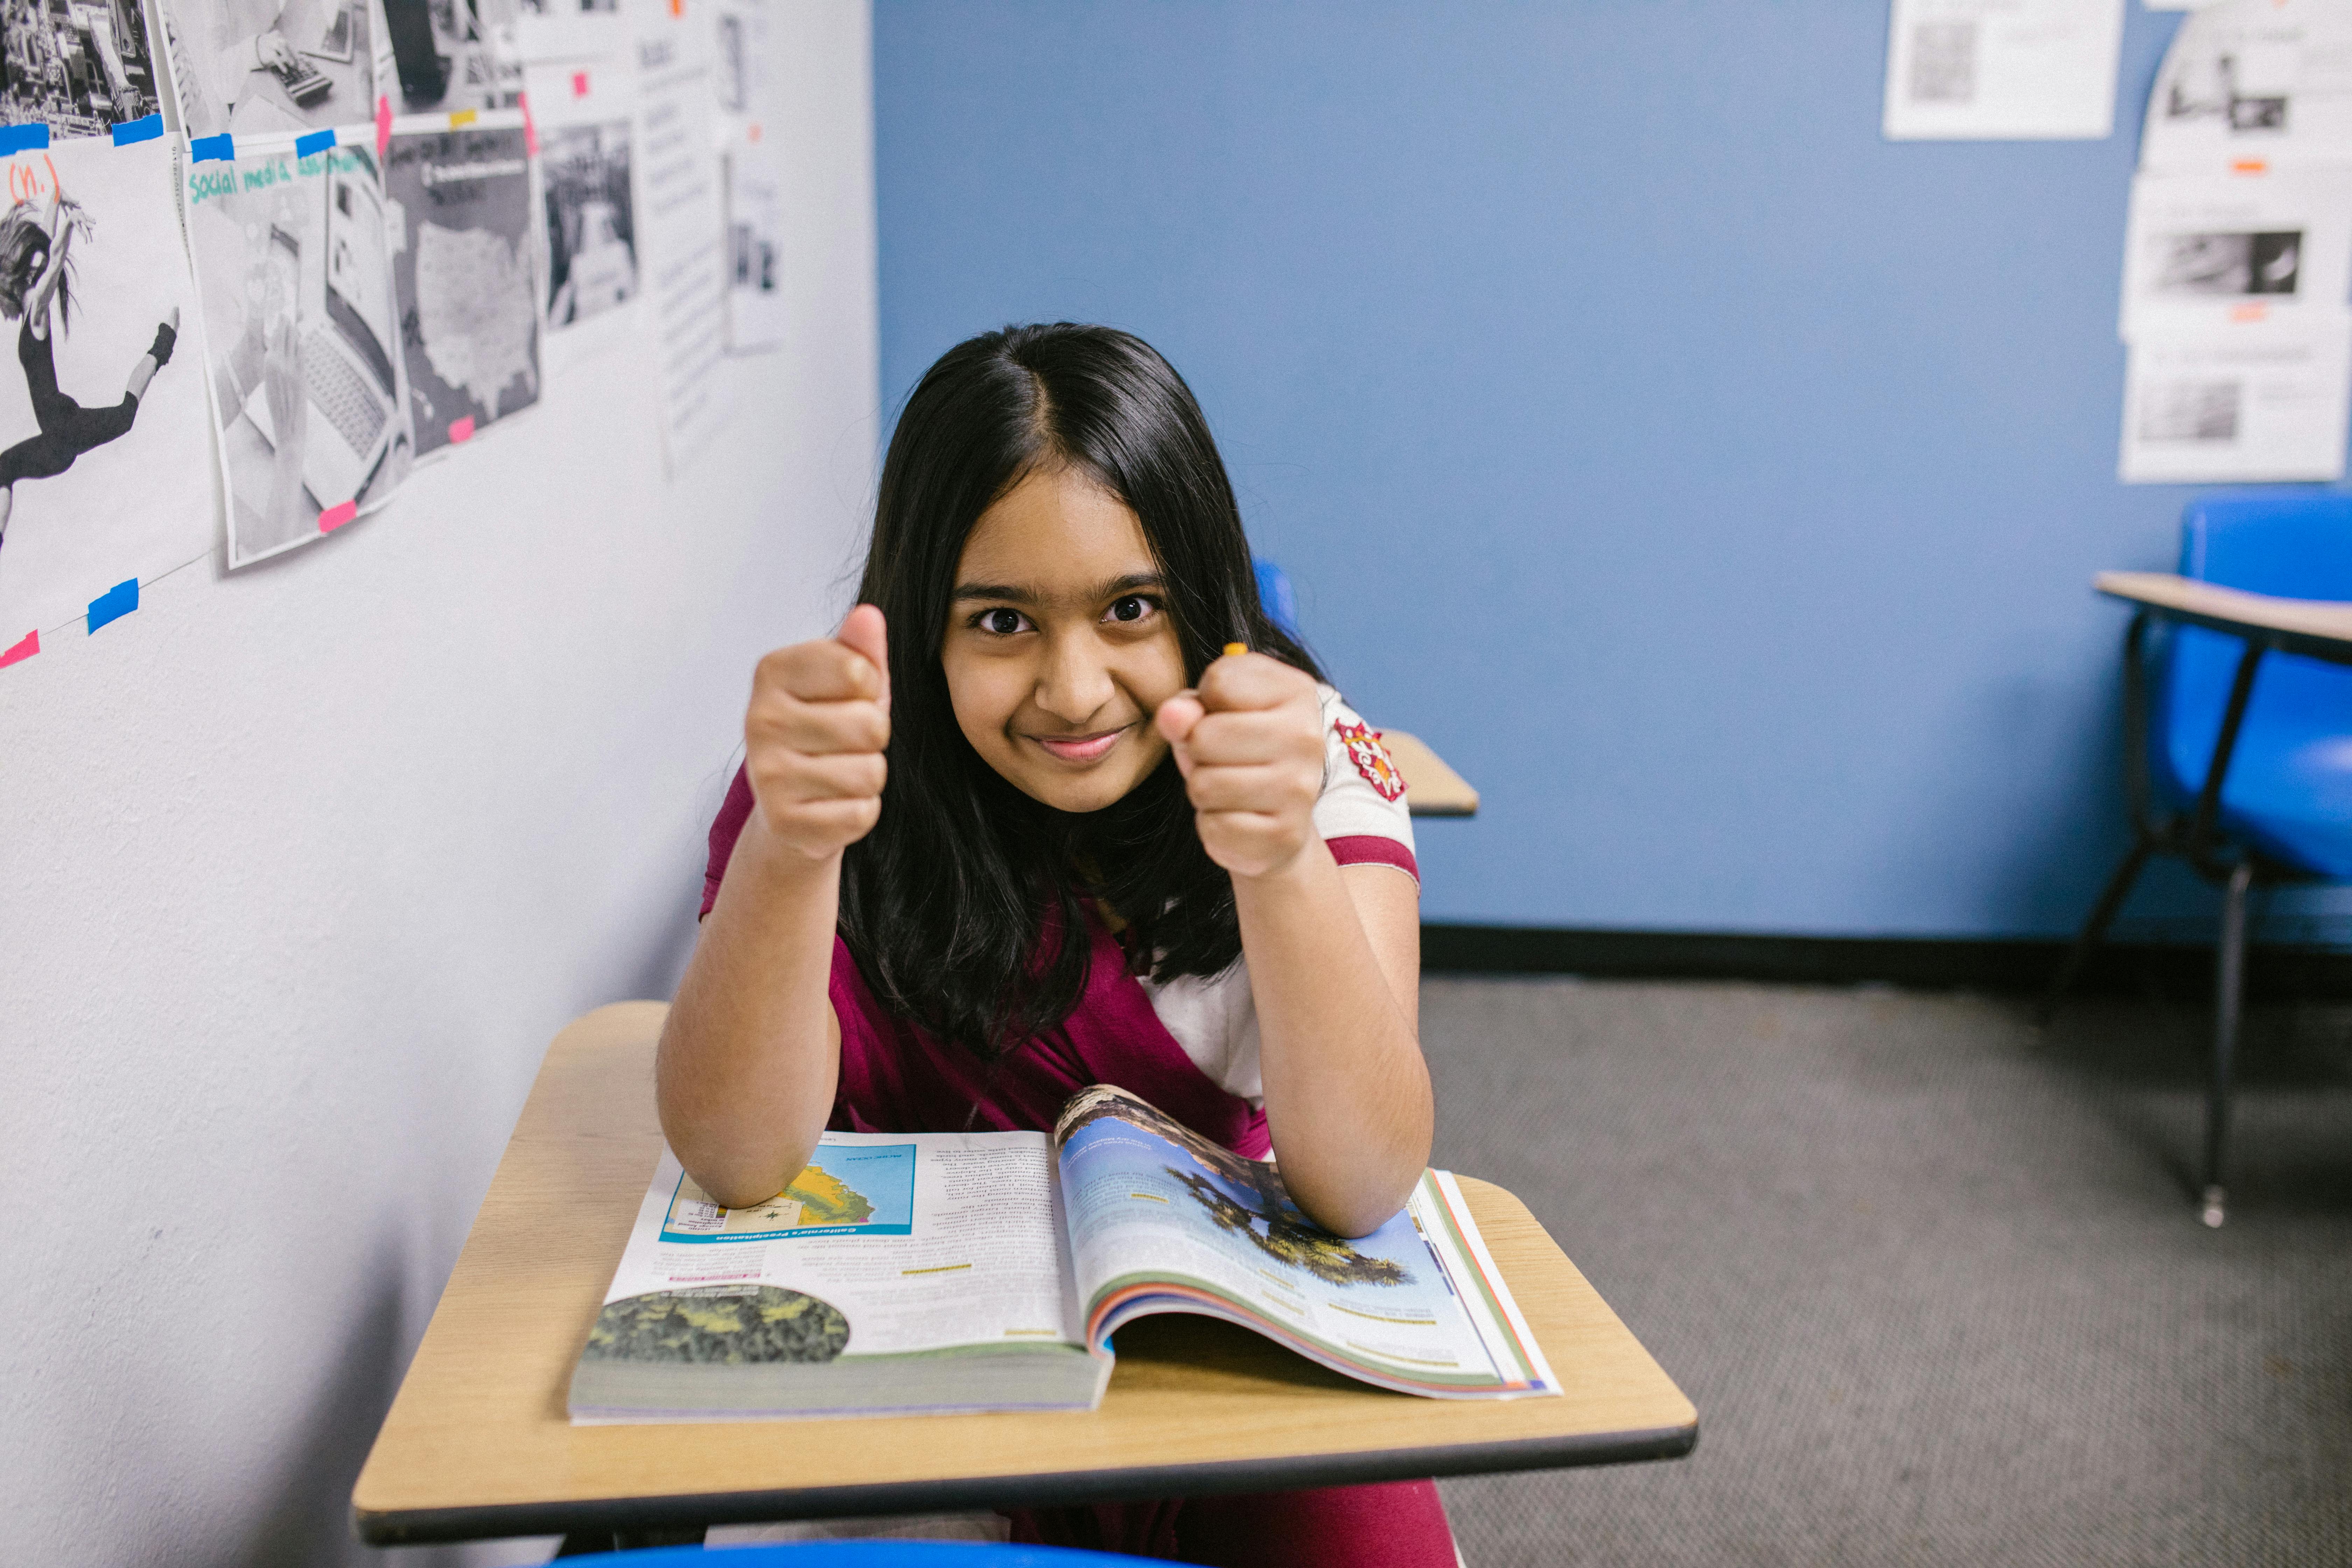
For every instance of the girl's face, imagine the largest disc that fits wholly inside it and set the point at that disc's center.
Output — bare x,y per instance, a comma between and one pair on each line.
1058,647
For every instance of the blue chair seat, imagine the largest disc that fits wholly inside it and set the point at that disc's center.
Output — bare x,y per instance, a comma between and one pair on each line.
2288,794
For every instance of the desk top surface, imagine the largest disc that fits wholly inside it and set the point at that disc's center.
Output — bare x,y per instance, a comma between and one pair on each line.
477,1443
2318,628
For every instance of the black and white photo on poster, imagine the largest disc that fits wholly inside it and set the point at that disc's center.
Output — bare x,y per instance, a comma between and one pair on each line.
591,244
105,456
463,239
294,280
440,56
79,66
267,68
739,69
755,298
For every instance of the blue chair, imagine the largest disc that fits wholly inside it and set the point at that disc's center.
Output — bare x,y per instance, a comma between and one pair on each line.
2248,780
1274,595
872,1554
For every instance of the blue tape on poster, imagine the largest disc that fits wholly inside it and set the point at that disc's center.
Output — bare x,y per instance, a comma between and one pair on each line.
145,129
222,147
23,138
316,142
114,604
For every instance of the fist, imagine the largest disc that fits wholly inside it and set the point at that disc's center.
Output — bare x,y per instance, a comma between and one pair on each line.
1249,742
814,734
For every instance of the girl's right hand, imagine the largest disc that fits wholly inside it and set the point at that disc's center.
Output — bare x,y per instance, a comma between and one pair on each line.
814,735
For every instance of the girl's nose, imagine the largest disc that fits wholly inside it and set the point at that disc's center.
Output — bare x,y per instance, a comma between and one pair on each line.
1075,682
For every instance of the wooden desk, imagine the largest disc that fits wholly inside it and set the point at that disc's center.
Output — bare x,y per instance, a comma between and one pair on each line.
1431,788
2317,628
477,1443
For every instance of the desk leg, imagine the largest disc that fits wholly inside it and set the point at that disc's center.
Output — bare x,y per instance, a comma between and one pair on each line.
2229,991
595,1543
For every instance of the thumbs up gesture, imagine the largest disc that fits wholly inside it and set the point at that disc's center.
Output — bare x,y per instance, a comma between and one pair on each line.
814,734
1249,742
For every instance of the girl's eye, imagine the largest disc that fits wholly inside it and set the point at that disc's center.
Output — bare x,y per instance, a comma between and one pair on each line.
1001,621
1132,608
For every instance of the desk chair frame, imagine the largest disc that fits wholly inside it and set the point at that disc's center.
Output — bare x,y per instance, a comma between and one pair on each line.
2194,837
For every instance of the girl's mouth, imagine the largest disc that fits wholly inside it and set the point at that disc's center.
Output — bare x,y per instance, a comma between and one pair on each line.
1081,748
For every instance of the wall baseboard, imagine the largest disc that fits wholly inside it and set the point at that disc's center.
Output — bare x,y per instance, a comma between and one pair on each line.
2177,971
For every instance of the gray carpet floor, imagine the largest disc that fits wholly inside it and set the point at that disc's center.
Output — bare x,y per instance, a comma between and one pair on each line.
1932,1277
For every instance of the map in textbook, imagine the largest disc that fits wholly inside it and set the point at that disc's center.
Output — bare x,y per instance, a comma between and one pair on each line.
849,1189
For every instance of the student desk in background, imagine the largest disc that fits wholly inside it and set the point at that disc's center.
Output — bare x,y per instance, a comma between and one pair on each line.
1431,788
477,1445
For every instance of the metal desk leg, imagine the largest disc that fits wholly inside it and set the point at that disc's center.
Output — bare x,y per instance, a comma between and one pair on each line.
2228,992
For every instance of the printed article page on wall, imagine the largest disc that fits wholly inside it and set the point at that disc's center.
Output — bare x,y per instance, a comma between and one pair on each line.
103,440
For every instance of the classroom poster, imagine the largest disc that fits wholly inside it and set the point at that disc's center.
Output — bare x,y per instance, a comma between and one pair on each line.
294,275
2253,81
270,67
682,243
587,139
2257,244
2243,402
445,56
81,69
2001,69
104,452
463,237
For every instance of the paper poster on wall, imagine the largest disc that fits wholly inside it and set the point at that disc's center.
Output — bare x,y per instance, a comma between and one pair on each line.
104,444
590,31
294,276
587,139
444,56
267,68
2260,245
755,216
2237,403
739,69
679,231
2001,69
463,237
2264,80
81,69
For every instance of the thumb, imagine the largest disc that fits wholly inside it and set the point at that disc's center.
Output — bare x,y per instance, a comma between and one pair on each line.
863,631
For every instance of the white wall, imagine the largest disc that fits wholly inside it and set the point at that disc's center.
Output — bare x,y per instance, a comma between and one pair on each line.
299,870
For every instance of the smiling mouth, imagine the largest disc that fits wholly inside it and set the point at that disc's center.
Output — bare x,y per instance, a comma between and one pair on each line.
1080,748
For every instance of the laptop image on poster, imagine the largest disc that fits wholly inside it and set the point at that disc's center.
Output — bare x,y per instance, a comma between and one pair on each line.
346,357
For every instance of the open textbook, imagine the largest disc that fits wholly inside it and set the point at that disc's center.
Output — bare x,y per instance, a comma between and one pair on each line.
913,1272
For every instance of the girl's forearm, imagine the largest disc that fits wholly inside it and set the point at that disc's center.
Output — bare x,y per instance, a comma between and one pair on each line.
1346,1092
744,1080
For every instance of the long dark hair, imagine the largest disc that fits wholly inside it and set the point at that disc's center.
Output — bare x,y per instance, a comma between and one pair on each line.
963,907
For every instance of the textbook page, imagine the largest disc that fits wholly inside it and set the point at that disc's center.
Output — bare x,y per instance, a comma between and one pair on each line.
2001,69
1161,1219
886,1245
2261,81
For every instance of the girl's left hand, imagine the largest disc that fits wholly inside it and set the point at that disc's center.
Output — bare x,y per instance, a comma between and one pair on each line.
1249,742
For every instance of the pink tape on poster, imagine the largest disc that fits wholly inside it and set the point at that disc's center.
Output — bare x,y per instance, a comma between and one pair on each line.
529,126
579,84
25,647
383,125
462,429
334,517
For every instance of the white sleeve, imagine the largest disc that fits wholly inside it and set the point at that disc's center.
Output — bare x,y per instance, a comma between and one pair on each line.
1363,793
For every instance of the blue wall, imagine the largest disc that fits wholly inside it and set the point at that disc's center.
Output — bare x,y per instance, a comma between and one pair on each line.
1712,482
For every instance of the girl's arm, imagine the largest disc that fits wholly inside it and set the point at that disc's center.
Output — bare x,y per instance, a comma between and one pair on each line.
1334,954
745,1077
64,221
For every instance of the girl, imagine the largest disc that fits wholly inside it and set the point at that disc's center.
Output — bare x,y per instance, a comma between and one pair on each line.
1021,826
34,273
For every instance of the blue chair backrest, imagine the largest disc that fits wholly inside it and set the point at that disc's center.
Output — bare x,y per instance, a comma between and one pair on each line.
2295,546
1274,595
2298,545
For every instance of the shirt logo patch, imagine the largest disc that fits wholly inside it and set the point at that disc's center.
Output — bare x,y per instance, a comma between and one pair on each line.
1371,759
